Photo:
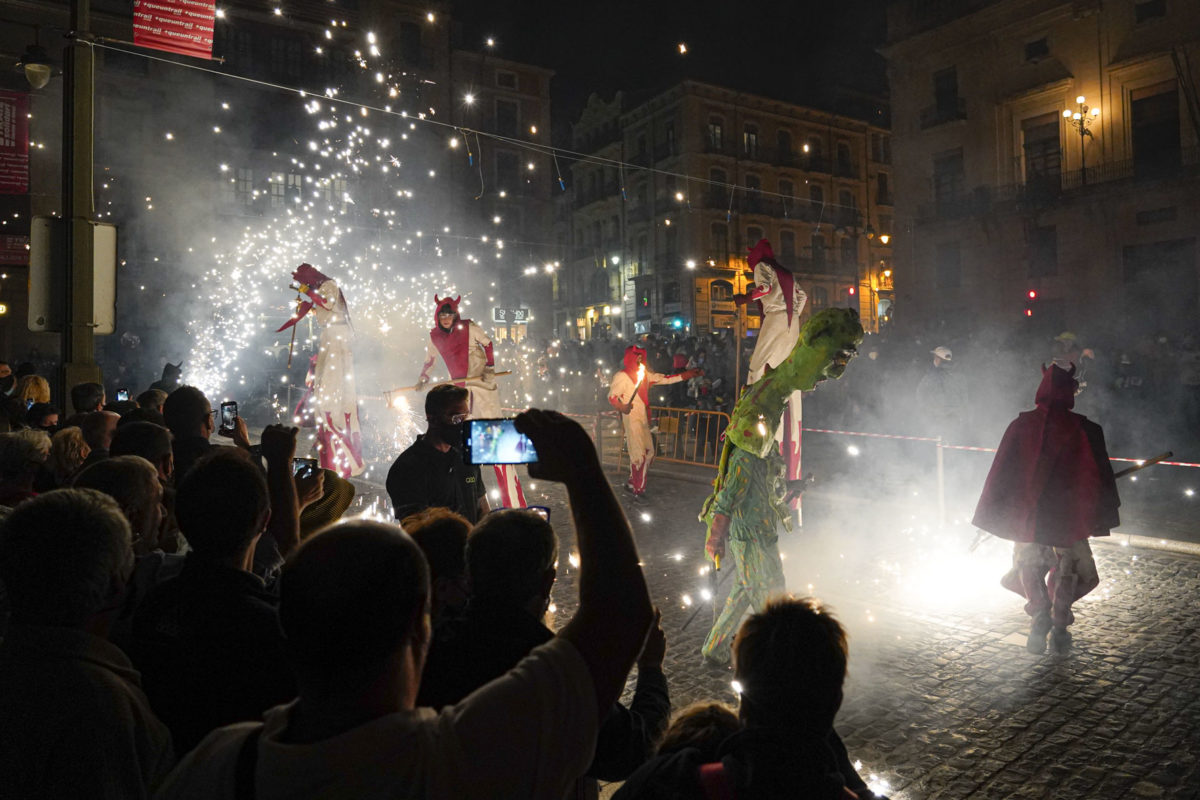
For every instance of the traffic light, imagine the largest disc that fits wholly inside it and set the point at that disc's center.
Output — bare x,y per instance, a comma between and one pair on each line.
1032,294
853,290
1031,297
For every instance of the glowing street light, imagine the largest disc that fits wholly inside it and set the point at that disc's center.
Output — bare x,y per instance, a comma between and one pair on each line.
1081,120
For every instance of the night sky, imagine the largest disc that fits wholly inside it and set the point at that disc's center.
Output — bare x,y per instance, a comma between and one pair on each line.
792,51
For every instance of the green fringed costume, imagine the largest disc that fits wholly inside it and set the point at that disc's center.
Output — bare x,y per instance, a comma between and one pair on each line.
751,487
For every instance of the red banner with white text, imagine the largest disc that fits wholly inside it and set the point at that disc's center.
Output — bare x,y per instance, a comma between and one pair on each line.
176,26
14,142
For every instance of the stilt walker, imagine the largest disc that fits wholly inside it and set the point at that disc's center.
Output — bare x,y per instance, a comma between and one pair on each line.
629,393
751,492
331,399
467,352
780,300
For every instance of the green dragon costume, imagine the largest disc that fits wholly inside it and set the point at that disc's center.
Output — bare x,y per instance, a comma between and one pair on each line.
750,487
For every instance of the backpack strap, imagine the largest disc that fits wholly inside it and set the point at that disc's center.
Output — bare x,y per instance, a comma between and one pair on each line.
247,766
715,782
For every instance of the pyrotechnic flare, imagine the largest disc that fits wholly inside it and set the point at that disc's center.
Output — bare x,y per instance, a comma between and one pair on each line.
331,399
468,354
630,394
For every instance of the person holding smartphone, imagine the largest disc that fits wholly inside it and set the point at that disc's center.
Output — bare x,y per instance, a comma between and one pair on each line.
431,472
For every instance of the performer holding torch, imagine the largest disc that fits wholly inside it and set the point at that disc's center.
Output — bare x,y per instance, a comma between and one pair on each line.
467,353
1051,487
629,393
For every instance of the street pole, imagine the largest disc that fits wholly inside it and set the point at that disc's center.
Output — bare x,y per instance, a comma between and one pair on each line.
78,342
1083,154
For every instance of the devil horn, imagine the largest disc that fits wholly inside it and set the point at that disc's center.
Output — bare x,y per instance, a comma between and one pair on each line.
436,299
457,299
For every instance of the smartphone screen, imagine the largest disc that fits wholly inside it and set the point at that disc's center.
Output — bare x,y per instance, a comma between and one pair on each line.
229,413
122,395
496,441
304,467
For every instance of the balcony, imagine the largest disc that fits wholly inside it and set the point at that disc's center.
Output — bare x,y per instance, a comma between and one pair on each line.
942,113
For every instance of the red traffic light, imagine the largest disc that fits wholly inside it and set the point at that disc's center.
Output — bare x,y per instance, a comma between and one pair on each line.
853,290
1032,294
1029,312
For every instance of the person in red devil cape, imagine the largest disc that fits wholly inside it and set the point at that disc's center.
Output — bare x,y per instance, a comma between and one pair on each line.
780,301
467,353
1050,488
629,393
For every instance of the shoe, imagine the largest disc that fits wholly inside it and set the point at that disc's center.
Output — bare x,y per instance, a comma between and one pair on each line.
628,489
1060,640
1036,643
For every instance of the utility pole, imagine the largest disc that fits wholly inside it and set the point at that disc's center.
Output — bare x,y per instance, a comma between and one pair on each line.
79,70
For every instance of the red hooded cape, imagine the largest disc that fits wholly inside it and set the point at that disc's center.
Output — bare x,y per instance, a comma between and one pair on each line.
1051,482
454,344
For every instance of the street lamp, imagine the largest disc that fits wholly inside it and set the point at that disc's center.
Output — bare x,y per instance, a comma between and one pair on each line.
1081,120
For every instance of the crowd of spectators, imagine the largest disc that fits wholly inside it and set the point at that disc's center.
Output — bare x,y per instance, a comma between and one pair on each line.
176,622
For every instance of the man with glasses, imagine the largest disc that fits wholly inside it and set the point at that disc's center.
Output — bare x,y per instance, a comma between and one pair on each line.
431,473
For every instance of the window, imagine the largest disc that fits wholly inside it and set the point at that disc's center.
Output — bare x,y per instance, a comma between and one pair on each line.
1043,252
783,142
1037,50
1149,9
669,134
787,244
754,235
508,121
410,43
1156,142
818,250
945,90
846,200
278,190
750,141
843,158
715,137
787,189
815,148
820,298
1043,155
295,187
948,266
850,254
816,195
244,187
506,79
671,292
508,170
720,291
718,239
881,148
883,192
948,177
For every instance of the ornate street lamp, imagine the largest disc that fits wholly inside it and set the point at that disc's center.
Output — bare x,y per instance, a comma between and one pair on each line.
1082,122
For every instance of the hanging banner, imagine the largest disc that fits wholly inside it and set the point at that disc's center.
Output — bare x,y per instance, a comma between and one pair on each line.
176,26
14,142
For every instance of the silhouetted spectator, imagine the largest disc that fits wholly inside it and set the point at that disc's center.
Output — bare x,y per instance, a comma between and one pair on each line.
208,642
789,663
68,451
22,454
353,609
121,407
442,536
511,558
189,416
76,723
86,397
143,415
152,399
32,389
170,380
133,482
98,428
153,443
704,726
42,417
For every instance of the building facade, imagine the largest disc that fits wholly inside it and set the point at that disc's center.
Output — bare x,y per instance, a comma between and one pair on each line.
1047,162
677,187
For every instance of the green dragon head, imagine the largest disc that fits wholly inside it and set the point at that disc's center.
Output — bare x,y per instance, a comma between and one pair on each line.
827,342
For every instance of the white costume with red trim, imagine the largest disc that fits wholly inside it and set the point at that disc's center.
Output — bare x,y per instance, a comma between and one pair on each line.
332,397
636,423
781,300
466,350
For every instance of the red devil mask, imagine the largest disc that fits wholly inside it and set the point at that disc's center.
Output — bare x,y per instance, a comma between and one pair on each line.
441,304
309,278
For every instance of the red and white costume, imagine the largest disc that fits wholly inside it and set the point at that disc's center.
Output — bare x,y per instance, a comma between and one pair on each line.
625,387
466,350
781,300
332,398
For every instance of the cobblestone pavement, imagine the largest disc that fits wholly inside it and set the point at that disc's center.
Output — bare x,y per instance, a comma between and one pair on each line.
943,701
